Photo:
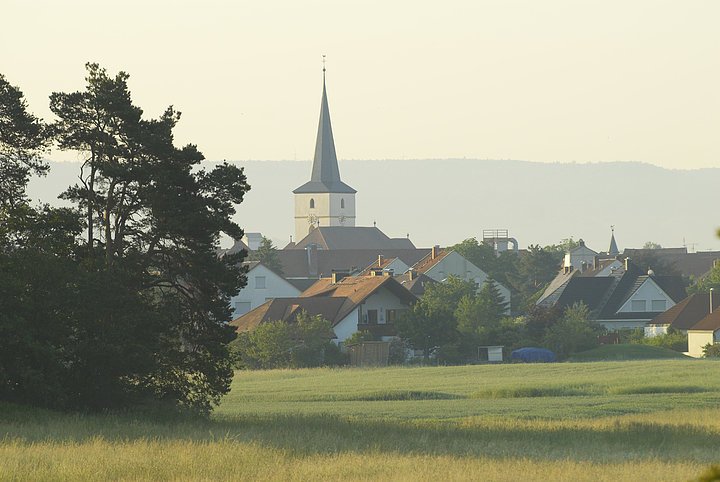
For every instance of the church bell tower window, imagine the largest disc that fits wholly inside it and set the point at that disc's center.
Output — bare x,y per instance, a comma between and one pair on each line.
342,203
312,204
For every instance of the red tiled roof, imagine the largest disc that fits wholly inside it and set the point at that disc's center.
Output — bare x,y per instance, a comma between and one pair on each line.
424,265
334,301
710,323
688,312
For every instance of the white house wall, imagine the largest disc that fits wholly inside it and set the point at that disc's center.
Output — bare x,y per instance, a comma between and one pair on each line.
382,300
347,327
648,292
697,341
275,287
577,256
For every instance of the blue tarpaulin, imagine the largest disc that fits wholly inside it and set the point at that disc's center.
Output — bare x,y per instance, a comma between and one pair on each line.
536,355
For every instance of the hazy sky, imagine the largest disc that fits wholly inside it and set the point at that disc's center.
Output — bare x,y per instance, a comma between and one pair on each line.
547,80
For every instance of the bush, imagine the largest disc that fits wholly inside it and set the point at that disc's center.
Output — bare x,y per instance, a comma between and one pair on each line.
711,350
277,344
572,333
673,340
398,351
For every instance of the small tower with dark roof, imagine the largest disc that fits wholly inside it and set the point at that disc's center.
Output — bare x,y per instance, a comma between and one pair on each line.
324,200
613,250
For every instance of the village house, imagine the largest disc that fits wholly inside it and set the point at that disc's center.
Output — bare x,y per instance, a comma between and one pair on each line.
623,298
684,315
440,264
263,284
350,303
703,333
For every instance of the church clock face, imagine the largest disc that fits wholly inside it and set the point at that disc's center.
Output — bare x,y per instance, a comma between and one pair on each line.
342,219
312,219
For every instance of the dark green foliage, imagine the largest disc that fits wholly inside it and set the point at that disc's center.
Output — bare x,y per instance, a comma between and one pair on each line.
672,340
710,280
398,351
23,139
267,255
277,344
538,321
135,313
711,350
479,316
572,333
359,337
431,321
525,274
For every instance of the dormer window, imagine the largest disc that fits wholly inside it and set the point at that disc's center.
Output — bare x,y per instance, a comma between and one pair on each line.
312,204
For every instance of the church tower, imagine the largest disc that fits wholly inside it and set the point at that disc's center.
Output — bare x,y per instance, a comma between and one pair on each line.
324,200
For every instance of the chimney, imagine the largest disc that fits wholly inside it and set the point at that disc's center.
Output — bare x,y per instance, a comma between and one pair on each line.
627,264
583,266
596,262
380,260
312,259
338,275
711,300
411,275
435,251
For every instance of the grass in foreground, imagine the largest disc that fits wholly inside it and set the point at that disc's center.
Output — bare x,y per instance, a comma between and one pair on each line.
589,421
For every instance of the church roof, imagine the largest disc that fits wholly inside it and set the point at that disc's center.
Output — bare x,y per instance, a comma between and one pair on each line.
325,172
352,237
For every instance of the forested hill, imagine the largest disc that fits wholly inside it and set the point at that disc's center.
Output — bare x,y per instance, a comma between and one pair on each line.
445,201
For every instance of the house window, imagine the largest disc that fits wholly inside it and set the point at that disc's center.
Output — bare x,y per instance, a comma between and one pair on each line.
391,315
242,307
342,204
658,305
638,305
260,282
372,316
312,204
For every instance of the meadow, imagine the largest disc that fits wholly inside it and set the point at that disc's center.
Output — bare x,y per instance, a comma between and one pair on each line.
631,420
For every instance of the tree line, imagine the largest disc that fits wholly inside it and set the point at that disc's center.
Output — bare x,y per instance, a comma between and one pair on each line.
119,300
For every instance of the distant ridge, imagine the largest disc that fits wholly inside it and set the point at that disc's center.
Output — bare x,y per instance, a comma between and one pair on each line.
445,201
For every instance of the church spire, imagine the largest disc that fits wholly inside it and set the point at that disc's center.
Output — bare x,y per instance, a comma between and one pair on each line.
325,172
613,251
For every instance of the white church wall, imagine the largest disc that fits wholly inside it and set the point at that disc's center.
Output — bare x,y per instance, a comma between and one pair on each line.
339,215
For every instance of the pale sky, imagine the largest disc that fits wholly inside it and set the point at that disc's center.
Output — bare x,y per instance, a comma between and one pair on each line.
551,80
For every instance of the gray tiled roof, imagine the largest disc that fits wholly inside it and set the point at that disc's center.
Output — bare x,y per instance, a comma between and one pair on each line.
325,172
352,237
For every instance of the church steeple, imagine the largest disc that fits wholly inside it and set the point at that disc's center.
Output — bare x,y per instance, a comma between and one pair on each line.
325,172
613,251
325,201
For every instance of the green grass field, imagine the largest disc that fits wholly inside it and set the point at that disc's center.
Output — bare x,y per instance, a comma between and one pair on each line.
634,420
626,352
